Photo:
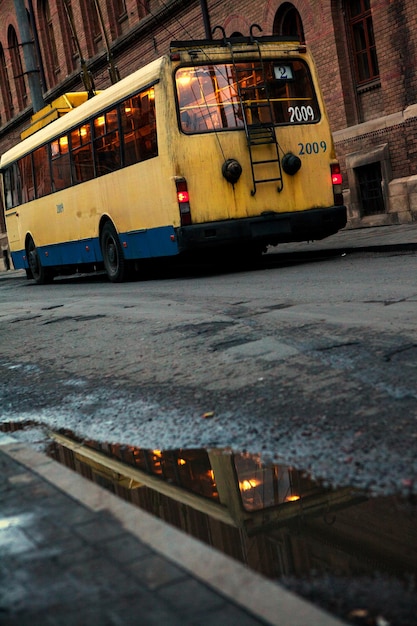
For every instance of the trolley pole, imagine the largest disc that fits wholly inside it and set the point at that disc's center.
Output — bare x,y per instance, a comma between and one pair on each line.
86,76
32,71
112,69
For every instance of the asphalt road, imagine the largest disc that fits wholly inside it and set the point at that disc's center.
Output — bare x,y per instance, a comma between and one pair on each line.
311,362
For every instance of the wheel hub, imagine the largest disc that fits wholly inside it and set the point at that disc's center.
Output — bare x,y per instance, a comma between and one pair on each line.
112,253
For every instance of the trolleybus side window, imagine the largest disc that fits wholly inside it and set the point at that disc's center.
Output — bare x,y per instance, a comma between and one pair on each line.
210,97
107,143
139,127
43,183
26,176
11,187
60,162
82,156
68,160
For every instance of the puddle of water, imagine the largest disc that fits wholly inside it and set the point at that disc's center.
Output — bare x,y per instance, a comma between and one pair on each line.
355,556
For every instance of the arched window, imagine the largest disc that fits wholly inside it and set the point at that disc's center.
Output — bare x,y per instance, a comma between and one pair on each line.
362,40
288,22
6,93
48,41
17,68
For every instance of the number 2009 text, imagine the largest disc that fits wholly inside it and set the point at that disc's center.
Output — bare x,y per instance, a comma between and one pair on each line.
312,148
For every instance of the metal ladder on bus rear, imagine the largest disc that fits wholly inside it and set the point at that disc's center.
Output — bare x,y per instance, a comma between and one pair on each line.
258,133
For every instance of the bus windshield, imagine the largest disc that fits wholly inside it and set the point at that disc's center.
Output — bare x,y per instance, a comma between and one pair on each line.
209,96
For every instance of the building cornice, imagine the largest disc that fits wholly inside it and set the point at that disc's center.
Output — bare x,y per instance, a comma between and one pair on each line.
378,124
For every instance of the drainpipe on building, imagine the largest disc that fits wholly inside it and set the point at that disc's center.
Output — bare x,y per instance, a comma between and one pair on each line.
29,56
206,19
37,46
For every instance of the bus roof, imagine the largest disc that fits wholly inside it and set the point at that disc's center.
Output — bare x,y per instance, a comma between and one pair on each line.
147,75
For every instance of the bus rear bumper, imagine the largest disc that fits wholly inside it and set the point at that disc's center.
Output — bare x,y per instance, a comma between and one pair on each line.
268,229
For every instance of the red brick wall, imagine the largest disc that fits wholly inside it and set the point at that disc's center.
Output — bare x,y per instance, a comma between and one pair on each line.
395,28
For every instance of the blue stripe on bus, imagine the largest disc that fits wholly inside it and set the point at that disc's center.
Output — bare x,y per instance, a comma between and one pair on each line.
142,244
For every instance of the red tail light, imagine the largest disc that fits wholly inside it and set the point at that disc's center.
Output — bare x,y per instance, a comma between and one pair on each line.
336,175
183,197
183,201
337,180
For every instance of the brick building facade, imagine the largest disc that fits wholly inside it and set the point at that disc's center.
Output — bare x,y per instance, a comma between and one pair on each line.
365,51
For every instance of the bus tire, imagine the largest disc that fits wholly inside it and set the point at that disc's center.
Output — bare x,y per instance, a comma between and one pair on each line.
112,251
40,274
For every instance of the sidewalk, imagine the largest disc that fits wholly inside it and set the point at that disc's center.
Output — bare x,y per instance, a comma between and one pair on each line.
375,239
73,554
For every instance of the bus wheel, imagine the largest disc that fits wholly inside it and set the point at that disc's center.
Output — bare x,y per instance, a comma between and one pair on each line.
37,271
114,261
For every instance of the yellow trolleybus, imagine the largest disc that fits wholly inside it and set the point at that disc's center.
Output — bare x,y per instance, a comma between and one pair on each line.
218,144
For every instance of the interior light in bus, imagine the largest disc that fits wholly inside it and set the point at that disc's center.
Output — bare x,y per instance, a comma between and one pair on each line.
63,143
100,120
83,131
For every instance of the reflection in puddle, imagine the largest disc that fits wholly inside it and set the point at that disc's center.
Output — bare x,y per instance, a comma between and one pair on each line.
356,556
234,489
275,518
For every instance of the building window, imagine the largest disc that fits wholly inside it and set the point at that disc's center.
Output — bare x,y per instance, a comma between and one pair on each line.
70,43
118,17
121,8
91,22
143,8
18,75
363,41
95,21
288,22
48,41
51,37
6,93
369,179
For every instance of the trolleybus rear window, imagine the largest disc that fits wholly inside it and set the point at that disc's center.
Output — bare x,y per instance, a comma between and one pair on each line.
210,97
